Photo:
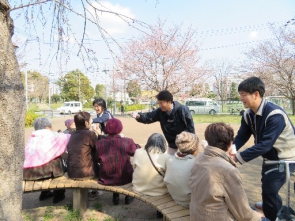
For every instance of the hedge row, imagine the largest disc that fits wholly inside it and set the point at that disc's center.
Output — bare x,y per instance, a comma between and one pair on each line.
30,117
134,107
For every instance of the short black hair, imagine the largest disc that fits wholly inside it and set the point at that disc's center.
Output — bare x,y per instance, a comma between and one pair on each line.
164,96
101,102
80,118
251,85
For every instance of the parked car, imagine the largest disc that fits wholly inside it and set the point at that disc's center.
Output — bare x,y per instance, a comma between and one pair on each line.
202,106
70,107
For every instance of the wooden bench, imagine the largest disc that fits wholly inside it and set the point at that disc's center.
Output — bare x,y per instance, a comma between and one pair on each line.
165,204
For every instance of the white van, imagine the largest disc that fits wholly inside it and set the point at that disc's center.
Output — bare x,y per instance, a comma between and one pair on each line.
202,106
70,107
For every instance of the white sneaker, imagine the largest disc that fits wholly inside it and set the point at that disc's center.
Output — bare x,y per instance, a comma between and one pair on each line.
94,195
258,205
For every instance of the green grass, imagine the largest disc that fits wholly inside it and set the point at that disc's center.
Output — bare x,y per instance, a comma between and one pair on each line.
27,217
228,119
55,106
73,216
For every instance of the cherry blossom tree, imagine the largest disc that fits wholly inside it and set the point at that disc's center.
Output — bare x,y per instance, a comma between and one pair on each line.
274,62
165,59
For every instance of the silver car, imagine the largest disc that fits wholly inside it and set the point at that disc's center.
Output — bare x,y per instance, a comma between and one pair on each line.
202,106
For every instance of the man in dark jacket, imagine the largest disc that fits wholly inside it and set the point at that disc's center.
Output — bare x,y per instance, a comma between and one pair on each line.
173,117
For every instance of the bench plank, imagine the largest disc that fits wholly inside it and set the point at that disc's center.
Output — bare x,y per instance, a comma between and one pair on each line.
164,204
154,199
38,185
45,184
172,209
62,183
185,218
178,214
165,199
54,182
69,184
167,205
126,186
29,186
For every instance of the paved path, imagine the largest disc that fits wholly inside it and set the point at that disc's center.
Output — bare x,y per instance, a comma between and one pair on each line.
137,210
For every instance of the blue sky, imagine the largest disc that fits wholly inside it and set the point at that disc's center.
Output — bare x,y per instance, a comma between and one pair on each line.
224,28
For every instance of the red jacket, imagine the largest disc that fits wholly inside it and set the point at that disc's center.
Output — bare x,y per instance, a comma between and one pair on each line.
113,156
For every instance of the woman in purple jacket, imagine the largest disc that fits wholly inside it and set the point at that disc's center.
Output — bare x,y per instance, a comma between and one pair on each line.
113,156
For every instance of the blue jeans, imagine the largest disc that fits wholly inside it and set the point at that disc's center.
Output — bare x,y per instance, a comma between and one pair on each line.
271,184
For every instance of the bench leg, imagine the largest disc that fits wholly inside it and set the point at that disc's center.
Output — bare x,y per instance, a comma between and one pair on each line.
80,200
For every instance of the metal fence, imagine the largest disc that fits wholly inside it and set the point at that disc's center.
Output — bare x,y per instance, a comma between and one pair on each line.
230,107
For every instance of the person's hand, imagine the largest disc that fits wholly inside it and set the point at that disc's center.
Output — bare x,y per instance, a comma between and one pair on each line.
204,144
261,215
234,158
135,115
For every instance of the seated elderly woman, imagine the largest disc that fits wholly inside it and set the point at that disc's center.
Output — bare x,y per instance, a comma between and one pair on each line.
81,148
43,156
215,182
113,155
149,167
71,127
179,166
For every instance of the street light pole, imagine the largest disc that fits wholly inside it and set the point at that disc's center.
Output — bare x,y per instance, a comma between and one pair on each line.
49,100
26,83
105,86
79,83
114,95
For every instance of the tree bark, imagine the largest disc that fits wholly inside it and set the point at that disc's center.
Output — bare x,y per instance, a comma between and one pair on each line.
12,112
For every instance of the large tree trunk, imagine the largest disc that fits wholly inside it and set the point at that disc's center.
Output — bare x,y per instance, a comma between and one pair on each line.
12,112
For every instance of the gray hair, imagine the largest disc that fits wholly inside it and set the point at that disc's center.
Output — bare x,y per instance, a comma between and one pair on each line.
156,142
41,123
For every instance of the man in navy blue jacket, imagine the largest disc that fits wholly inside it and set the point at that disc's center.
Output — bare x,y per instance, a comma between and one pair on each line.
274,137
173,117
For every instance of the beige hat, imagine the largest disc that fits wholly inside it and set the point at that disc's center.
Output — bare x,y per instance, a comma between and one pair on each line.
187,142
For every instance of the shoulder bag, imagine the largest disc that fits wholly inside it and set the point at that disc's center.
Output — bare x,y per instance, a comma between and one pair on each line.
154,164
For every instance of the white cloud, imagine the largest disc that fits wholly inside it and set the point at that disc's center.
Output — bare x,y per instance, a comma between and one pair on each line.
112,23
253,34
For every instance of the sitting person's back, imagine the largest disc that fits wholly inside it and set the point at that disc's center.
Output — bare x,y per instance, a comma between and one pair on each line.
113,156
81,148
43,156
178,168
146,178
215,182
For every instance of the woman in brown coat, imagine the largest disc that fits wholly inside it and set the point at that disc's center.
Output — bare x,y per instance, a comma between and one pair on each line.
81,148
216,185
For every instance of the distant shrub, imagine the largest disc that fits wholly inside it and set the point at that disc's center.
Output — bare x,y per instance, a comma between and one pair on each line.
134,107
30,117
88,105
